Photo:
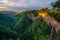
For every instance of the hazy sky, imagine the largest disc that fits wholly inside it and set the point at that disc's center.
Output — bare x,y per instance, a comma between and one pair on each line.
20,5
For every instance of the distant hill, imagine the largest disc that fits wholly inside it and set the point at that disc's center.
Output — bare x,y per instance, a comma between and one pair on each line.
7,17
7,12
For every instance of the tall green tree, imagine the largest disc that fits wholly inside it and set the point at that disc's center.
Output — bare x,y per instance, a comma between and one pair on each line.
56,4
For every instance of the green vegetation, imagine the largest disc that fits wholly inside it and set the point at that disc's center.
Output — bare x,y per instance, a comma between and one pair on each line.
24,28
56,4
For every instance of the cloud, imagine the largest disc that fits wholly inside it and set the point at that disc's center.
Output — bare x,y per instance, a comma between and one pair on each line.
23,4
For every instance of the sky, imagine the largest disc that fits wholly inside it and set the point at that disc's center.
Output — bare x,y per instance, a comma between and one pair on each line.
21,5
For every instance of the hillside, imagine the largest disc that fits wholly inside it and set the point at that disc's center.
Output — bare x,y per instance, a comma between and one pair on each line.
27,25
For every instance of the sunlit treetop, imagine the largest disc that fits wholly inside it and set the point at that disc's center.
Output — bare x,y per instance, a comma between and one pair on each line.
42,14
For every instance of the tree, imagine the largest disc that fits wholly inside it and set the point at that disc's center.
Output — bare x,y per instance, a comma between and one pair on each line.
56,4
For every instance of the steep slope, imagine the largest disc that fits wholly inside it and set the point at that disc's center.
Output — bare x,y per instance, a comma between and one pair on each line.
22,27
6,19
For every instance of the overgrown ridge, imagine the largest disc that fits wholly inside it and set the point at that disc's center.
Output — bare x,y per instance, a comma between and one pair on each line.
50,21
29,26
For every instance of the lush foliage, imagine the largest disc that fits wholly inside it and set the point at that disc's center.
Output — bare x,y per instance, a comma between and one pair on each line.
23,28
56,4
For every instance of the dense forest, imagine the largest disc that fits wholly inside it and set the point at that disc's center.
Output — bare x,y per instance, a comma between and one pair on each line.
28,25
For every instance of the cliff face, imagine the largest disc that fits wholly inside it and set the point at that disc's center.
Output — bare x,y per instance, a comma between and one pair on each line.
32,16
50,20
